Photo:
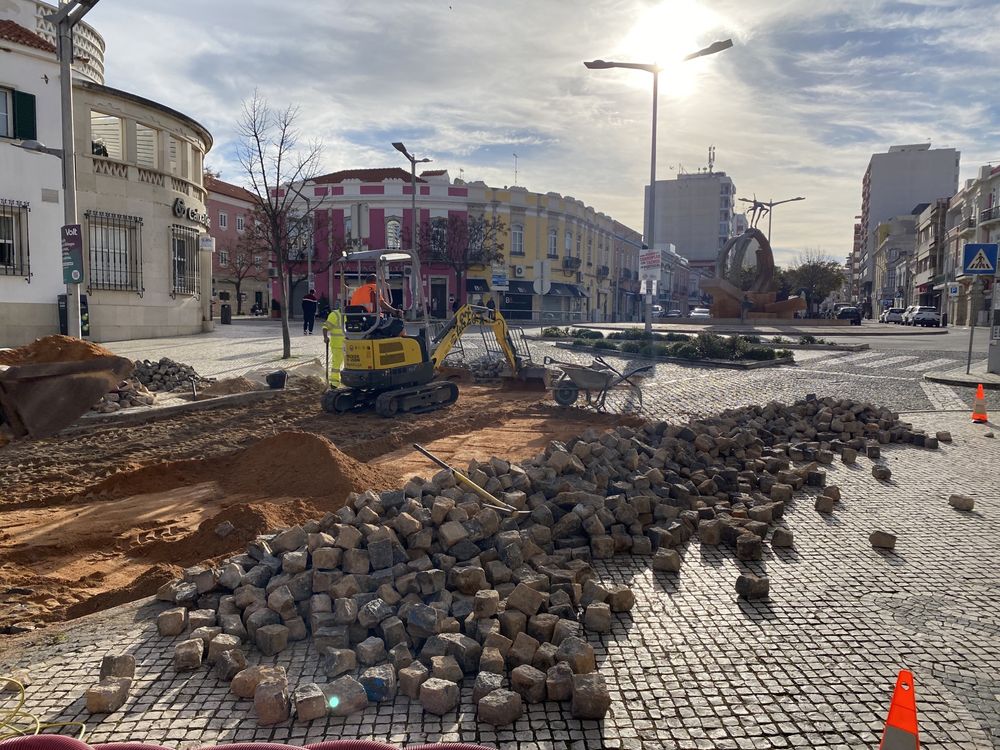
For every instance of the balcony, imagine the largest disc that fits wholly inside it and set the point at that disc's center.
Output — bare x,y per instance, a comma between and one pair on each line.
990,215
602,272
570,263
967,225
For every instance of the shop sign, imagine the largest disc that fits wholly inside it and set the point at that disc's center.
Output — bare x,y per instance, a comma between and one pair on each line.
182,211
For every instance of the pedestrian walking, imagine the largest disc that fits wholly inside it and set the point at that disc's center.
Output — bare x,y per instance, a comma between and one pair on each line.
309,305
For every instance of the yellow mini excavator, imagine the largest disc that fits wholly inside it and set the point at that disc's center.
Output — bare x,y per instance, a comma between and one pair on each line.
396,373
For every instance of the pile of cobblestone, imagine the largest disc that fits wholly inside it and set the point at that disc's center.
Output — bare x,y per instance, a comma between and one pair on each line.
166,374
415,590
129,393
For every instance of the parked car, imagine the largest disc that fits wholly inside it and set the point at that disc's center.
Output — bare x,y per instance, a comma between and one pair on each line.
852,314
907,314
926,316
701,312
669,314
892,315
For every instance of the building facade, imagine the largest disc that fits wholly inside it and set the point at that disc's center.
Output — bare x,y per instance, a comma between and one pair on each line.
140,198
928,260
584,262
893,260
973,217
695,214
89,47
893,183
239,263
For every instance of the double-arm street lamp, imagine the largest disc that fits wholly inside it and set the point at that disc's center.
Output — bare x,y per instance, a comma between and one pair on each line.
770,209
416,283
655,70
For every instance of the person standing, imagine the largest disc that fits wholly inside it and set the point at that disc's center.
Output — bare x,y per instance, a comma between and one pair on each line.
309,305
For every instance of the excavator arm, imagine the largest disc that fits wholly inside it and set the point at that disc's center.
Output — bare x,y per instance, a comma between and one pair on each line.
470,315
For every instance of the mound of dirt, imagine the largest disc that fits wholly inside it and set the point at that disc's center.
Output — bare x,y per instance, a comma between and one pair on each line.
288,464
53,349
230,386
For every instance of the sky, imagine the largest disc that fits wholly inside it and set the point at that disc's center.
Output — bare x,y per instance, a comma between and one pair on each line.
809,91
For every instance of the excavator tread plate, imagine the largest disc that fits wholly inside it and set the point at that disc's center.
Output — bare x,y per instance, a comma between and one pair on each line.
421,398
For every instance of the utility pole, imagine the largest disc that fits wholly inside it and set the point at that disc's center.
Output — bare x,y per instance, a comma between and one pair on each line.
64,20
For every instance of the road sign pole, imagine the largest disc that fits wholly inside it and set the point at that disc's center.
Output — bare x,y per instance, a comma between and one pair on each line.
974,308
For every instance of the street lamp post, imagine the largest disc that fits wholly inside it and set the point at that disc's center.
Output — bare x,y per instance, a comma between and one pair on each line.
64,20
770,209
416,282
655,70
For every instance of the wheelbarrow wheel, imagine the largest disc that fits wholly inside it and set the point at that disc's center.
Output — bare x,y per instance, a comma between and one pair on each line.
566,394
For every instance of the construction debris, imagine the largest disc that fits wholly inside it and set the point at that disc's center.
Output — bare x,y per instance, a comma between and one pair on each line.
422,587
167,375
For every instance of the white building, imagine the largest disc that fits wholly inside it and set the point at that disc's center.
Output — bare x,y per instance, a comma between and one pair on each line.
693,212
140,197
893,184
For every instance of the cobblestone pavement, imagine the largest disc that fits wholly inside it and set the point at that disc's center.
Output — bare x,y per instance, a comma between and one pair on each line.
693,667
893,378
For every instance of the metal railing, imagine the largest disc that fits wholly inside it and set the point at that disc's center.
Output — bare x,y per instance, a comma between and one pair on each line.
14,246
990,214
114,252
570,262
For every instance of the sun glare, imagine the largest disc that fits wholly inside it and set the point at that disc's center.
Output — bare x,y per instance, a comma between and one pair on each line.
664,34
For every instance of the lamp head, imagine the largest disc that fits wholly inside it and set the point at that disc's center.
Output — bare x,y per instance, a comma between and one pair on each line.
401,149
597,64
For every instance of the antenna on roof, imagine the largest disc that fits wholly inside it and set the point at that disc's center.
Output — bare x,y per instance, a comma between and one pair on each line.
515,169
711,158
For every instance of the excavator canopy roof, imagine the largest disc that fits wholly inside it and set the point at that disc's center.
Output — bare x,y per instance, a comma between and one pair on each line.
386,256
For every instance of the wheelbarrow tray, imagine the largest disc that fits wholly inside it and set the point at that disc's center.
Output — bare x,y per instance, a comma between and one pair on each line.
588,378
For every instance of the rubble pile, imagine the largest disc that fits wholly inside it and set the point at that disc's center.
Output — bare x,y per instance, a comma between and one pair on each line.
416,590
166,374
129,393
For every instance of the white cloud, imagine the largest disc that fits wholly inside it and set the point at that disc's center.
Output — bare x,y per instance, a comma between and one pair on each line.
796,108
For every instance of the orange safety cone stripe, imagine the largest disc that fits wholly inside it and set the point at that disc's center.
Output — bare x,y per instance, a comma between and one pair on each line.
901,725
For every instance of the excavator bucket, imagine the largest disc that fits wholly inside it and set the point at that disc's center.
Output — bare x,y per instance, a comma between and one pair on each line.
38,400
530,377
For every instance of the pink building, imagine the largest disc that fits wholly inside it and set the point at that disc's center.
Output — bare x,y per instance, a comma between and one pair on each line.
236,261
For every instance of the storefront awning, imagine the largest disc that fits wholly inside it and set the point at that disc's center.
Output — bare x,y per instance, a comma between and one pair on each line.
520,287
565,290
476,286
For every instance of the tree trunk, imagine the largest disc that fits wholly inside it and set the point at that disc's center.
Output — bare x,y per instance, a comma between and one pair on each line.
286,339
239,297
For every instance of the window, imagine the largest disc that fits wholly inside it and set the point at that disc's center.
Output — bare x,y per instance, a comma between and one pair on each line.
517,239
6,114
115,251
223,258
14,238
256,261
393,236
184,259
106,135
17,115
147,146
590,249
439,238
568,242
223,220
224,296
240,223
172,147
579,240
553,244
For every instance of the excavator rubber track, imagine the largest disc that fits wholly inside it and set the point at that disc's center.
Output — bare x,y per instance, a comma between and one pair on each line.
418,399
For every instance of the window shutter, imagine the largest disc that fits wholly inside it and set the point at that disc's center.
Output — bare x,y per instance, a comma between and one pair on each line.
24,116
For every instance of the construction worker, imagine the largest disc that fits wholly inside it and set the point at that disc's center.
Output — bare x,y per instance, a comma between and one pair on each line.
366,295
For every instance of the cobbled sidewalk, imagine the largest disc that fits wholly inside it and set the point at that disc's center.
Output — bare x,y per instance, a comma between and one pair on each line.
692,667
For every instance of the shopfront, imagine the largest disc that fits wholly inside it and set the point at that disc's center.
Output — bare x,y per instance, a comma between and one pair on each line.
516,302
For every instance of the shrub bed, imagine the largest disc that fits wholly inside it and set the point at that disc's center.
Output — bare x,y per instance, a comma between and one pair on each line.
704,346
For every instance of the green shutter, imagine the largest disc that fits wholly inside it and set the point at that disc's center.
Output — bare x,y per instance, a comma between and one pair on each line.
24,116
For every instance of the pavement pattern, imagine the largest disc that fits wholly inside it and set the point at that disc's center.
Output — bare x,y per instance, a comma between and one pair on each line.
693,666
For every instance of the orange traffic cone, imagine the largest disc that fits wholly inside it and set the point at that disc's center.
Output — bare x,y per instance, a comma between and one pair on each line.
979,410
901,725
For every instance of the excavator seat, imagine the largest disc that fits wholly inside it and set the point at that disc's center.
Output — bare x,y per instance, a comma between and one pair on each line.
357,319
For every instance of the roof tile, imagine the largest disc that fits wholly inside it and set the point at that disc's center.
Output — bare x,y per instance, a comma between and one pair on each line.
15,32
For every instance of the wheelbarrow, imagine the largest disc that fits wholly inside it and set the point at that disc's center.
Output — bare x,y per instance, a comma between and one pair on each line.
596,381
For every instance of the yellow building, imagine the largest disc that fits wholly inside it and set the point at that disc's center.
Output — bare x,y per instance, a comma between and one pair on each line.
586,263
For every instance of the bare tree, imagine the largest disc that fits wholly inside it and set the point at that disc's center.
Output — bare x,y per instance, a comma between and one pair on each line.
243,260
276,166
817,274
461,243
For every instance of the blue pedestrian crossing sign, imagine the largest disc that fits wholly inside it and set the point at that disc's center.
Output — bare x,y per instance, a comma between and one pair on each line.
980,259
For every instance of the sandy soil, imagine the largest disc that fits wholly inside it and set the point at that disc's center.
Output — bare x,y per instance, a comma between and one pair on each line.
98,519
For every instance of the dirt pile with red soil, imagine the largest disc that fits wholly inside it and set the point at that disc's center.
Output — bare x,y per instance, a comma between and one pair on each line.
53,349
